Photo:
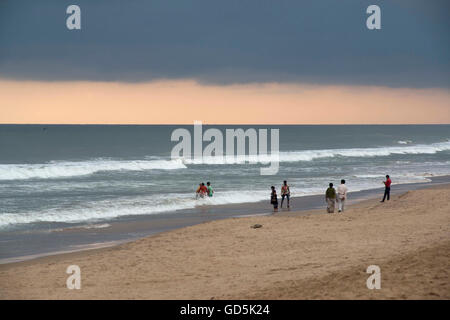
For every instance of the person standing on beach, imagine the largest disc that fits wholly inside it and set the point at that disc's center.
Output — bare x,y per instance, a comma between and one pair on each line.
330,198
341,195
274,199
210,189
285,192
387,188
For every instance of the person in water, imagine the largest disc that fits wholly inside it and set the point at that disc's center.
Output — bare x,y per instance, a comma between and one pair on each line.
330,198
341,195
285,193
197,192
274,199
202,190
210,189
387,188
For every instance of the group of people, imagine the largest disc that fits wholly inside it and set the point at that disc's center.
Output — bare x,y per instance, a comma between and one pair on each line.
204,191
285,193
339,195
332,196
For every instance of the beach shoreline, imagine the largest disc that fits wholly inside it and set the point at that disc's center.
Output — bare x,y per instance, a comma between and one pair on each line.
227,259
108,234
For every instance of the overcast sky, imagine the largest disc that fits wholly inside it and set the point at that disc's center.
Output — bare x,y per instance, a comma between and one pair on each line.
228,42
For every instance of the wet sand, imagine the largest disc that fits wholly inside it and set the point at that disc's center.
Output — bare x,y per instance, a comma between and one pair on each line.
294,255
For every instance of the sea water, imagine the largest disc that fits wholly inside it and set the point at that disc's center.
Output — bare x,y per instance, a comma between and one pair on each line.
56,177
78,173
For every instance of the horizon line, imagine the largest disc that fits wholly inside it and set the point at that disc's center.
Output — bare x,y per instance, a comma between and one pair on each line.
227,124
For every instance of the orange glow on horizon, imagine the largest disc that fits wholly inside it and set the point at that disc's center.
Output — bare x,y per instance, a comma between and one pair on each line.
182,102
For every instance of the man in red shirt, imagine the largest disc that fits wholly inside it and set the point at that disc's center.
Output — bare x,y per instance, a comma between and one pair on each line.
387,188
203,190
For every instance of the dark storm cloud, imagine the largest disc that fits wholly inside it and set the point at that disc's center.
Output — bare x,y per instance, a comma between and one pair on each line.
228,41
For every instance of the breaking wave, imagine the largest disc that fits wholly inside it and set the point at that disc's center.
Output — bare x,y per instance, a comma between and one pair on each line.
55,169
310,155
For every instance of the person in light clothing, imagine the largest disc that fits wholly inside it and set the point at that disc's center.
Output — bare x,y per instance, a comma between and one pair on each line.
285,193
341,195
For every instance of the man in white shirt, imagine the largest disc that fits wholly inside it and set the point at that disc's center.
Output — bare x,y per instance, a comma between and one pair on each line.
341,196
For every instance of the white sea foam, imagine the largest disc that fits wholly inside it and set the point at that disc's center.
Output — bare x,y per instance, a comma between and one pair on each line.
96,226
87,226
364,152
56,169
142,205
80,168
368,176
95,211
310,155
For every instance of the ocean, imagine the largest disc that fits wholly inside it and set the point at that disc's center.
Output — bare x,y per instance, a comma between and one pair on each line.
59,177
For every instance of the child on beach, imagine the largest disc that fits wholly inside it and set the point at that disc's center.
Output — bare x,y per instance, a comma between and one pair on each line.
285,193
274,199
330,198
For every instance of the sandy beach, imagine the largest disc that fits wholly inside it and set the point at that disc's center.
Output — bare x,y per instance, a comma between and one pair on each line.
292,256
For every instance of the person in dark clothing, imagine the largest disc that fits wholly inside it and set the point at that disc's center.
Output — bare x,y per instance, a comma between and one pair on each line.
330,198
387,188
274,199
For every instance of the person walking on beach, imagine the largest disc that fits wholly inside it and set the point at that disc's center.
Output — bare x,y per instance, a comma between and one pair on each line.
210,189
341,195
330,198
285,193
274,199
387,188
